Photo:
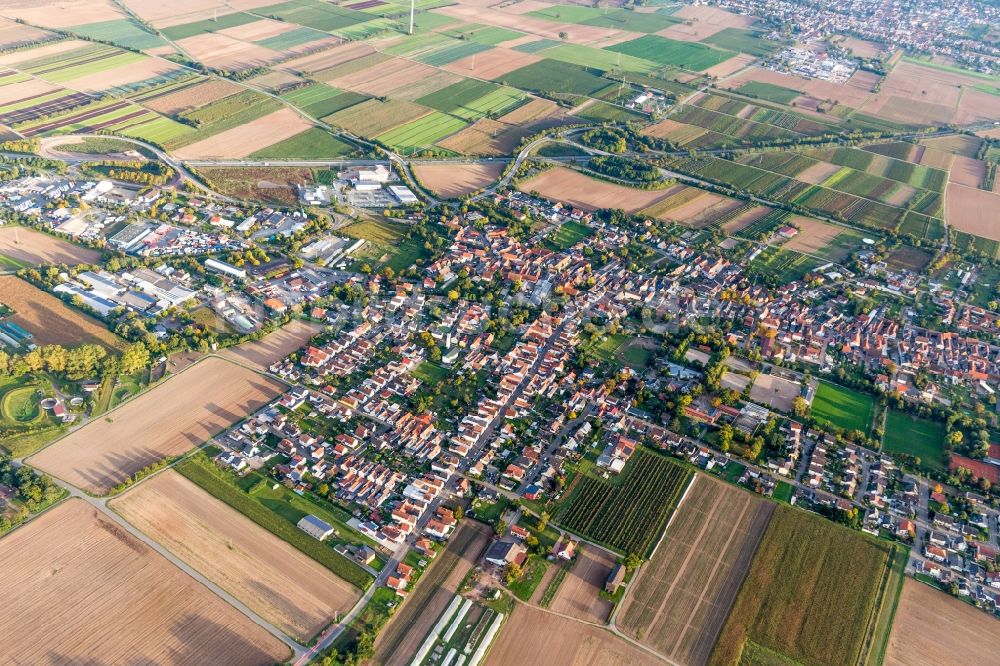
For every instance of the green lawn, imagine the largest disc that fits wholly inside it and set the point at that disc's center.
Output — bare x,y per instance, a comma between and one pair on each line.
431,373
534,569
843,407
915,437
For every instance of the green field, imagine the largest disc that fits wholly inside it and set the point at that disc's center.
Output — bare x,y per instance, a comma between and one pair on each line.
812,595
185,30
687,55
386,240
320,100
622,19
555,76
742,41
292,38
471,99
629,511
431,373
318,15
569,234
915,437
602,59
843,407
123,31
448,54
80,69
423,132
768,91
314,143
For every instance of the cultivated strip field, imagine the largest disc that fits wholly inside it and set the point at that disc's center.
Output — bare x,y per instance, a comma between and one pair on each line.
933,628
680,599
579,594
273,346
33,248
401,638
80,589
49,320
274,579
183,412
534,636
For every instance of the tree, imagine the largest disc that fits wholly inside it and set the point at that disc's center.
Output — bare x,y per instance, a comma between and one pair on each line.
501,527
632,562
512,573
799,406
726,437
543,521
134,358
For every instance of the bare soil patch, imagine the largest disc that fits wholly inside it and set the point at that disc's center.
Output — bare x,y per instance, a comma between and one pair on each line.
731,66
854,93
48,319
70,13
703,21
956,144
248,138
109,78
387,77
535,636
456,180
680,599
973,210
274,346
774,392
329,58
817,173
15,57
860,47
492,64
579,594
813,235
967,171
571,187
932,157
931,627
80,589
258,30
273,578
744,220
222,52
34,247
183,412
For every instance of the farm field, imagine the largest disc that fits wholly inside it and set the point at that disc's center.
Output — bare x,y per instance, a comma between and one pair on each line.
313,143
181,413
82,589
274,346
534,636
248,137
455,180
49,320
555,77
423,132
579,595
401,638
665,51
628,512
794,602
915,437
295,593
933,628
843,407
574,188
974,211
32,248
679,601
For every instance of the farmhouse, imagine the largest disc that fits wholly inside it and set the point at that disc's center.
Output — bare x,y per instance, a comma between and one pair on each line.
315,527
615,579
505,552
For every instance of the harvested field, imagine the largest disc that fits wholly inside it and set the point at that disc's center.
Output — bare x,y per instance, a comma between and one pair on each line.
82,590
454,180
817,173
574,188
492,64
142,70
679,600
337,55
854,93
973,211
48,319
72,12
579,594
703,21
775,392
273,578
574,33
181,413
222,52
34,248
247,138
966,171
915,94
957,144
731,66
401,638
932,157
535,636
861,48
258,30
931,627
679,133
193,97
485,137
15,57
813,235
274,346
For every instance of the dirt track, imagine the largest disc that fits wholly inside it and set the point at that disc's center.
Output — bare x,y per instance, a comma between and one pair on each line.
79,589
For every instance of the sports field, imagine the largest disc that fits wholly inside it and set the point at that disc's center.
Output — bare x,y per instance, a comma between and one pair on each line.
916,437
843,407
